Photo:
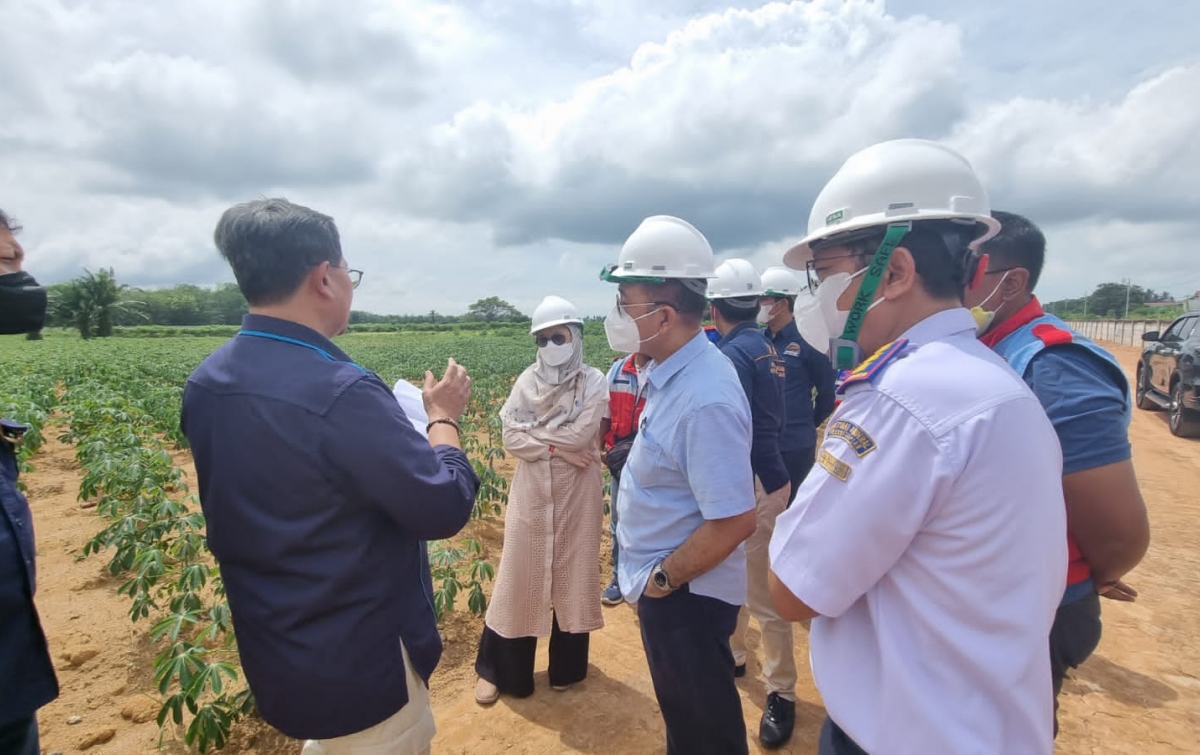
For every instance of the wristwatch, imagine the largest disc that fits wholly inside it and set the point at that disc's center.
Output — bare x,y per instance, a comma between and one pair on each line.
661,579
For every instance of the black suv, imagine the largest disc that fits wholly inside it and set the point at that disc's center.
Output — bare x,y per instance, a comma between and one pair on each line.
1168,374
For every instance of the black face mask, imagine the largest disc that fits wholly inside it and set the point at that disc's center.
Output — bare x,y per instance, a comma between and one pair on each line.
22,304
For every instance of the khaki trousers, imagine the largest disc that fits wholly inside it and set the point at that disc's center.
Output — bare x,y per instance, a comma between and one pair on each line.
409,732
779,662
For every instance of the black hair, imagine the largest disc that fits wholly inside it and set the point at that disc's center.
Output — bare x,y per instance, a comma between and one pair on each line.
1019,243
271,244
735,311
939,251
685,301
10,223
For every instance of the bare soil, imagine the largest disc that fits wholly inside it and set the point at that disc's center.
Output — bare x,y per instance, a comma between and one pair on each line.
1140,692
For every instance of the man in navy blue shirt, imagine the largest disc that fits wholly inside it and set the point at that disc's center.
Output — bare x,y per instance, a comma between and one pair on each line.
27,679
809,388
319,495
1086,396
734,307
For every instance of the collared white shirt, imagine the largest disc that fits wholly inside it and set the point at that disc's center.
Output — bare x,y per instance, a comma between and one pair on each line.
931,538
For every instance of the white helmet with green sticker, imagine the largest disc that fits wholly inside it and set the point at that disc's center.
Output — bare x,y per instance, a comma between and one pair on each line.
904,180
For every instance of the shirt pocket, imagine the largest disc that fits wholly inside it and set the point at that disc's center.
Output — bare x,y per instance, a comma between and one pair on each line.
647,462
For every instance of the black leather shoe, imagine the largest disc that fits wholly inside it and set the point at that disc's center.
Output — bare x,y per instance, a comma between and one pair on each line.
778,720
739,670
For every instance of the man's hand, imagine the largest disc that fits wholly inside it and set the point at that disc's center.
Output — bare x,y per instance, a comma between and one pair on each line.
447,397
654,591
1118,590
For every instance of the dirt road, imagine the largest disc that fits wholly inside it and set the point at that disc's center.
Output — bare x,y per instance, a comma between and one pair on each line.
1140,693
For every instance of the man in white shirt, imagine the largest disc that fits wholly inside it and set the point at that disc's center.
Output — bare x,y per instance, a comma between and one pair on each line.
928,541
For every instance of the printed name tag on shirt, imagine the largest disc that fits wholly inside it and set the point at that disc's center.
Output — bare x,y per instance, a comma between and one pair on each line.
834,465
856,437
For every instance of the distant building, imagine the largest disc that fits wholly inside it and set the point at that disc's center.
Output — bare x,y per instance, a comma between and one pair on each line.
1192,303
1160,304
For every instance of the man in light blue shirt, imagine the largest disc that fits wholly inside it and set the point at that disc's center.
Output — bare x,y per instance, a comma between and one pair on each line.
686,501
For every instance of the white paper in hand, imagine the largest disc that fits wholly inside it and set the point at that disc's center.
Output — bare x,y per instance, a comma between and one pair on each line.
409,398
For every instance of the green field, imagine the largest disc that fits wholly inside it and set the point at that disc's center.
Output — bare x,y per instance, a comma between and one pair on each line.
117,401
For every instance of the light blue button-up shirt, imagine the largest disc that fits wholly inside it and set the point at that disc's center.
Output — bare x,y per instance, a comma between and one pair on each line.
689,463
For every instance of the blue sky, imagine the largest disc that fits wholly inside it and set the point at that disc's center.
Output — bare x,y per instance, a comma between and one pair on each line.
486,148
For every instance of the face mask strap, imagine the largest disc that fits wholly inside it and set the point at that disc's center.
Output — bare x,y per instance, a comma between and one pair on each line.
995,291
846,351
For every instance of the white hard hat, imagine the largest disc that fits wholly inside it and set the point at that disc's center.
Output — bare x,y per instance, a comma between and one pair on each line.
735,278
663,247
780,281
554,310
892,182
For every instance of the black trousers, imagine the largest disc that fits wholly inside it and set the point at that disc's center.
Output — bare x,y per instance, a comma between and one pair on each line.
686,638
798,464
834,741
1073,638
20,737
508,663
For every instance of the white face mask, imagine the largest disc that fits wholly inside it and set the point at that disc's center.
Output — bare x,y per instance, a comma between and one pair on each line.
984,318
554,354
828,293
810,323
764,313
622,331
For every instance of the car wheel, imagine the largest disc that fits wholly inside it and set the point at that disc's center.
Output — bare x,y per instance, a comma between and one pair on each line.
1184,422
1143,388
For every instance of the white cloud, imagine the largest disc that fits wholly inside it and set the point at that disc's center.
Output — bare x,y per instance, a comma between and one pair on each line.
476,148
1134,159
737,116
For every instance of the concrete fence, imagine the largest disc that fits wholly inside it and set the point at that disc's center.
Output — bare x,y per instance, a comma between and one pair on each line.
1125,332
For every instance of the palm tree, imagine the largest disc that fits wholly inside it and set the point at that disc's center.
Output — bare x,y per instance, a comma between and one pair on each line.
91,300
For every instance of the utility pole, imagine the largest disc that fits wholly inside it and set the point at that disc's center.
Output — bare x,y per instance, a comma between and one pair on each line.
1085,299
1128,284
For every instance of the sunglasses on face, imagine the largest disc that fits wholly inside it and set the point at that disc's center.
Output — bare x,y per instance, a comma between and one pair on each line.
558,339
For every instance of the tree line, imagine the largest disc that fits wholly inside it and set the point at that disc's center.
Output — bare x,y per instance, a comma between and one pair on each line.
96,303
1108,301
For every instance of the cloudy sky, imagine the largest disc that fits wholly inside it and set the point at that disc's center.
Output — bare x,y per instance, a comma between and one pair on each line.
490,147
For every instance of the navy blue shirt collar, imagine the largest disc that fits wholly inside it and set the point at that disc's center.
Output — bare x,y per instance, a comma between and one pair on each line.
788,332
295,331
733,333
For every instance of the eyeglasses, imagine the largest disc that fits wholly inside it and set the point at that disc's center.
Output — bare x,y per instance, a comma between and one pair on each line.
558,339
1002,270
355,275
814,276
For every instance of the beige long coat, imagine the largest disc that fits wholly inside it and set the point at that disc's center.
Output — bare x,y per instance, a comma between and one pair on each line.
552,526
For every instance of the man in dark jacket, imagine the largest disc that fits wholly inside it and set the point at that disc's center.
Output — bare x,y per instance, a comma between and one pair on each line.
319,495
27,680
734,305
809,390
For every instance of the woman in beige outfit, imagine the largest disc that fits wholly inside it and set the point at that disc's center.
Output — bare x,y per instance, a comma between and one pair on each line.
546,583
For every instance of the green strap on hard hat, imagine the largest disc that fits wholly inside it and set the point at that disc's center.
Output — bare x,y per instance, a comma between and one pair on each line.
847,354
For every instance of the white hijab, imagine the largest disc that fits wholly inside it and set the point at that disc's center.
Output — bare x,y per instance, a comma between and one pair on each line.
545,395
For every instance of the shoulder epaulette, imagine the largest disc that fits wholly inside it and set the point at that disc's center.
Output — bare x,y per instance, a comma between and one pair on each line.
873,364
1052,335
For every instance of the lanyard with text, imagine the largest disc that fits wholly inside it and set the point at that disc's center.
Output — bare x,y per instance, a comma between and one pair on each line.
297,342
847,354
